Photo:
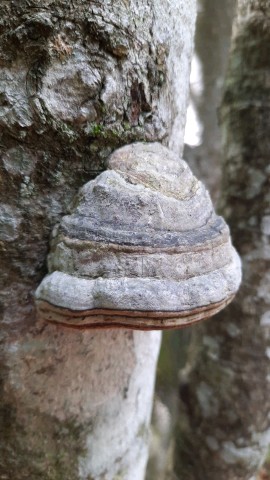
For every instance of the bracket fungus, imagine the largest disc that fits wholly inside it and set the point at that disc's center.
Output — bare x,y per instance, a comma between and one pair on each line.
142,248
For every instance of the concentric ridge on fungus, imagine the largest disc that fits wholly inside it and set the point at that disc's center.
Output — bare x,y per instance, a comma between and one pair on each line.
141,248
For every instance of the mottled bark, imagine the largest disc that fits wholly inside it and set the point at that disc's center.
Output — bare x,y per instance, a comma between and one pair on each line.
77,80
226,429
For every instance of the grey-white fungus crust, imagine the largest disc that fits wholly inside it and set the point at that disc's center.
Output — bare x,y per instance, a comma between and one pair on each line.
141,248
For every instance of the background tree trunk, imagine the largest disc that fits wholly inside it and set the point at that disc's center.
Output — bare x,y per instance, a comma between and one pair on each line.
77,80
210,58
212,42
225,431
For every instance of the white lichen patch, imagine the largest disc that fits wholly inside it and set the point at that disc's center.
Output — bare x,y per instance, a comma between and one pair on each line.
15,109
232,330
262,438
249,456
267,352
207,400
69,86
265,225
256,180
27,187
212,346
265,319
19,161
260,253
10,220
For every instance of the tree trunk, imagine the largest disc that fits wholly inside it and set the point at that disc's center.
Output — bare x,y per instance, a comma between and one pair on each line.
226,430
212,41
77,80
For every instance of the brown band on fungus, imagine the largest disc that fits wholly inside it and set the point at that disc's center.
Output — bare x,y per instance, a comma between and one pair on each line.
100,318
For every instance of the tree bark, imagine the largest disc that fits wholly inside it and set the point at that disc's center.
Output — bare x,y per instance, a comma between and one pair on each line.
226,430
77,80
212,42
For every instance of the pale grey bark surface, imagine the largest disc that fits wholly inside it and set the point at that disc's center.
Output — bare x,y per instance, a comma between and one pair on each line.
212,41
77,80
225,431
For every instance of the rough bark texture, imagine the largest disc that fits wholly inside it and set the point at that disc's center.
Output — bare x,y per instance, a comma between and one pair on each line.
77,80
226,429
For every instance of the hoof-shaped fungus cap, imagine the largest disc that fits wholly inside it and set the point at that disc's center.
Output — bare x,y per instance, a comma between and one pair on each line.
142,248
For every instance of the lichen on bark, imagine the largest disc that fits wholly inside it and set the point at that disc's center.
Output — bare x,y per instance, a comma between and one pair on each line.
77,80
